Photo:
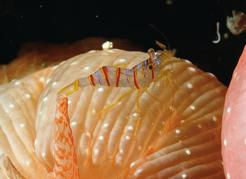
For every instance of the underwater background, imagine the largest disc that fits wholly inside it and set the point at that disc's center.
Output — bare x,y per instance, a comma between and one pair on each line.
187,26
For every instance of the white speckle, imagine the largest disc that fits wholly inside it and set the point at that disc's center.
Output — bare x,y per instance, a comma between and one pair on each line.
107,45
211,74
177,131
35,142
48,80
96,151
11,105
228,176
45,99
86,68
42,79
27,95
55,67
93,111
17,82
28,162
88,134
228,110
237,77
121,60
192,107
182,121
92,51
135,114
199,126
127,137
184,175
225,142
54,83
74,63
69,101
132,165
244,141
191,69
187,151
130,128
101,137
100,89
43,154
225,35
74,123
188,61
138,171
97,15
22,125
105,125
121,151
111,51
41,6
189,85
214,118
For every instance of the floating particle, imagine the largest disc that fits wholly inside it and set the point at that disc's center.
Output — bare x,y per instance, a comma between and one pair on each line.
237,23
218,33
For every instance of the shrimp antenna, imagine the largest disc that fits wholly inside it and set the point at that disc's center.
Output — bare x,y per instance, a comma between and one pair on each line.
162,35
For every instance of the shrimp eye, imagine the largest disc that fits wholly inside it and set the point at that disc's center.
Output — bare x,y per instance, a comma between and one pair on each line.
150,67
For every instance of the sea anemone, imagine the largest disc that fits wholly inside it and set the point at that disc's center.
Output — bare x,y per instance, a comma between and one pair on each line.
168,129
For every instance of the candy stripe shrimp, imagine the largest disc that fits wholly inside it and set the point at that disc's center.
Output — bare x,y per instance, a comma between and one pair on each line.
138,76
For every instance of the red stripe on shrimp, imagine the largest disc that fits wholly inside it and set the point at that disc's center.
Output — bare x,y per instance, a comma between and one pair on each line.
117,77
105,73
91,80
135,77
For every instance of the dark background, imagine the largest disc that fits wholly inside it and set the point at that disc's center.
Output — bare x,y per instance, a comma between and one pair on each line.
189,26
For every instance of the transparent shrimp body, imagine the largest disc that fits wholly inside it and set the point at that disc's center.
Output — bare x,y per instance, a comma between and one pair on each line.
139,76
